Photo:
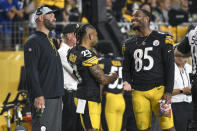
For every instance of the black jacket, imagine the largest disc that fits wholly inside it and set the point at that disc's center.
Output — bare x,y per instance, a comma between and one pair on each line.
43,67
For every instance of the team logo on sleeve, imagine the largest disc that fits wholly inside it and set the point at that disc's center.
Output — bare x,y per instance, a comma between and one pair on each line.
156,42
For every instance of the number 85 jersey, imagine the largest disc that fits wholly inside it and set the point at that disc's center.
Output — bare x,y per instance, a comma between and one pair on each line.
149,61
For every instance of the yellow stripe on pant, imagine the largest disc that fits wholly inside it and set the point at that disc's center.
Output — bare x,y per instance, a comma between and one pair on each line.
91,119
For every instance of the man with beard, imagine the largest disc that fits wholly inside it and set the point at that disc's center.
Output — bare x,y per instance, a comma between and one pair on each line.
148,71
86,69
44,74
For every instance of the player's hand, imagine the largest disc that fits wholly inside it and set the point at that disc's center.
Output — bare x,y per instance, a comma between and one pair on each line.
114,76
187,90
127,86
39,103
167,96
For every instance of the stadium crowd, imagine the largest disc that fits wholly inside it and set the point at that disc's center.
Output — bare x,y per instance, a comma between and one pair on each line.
16,16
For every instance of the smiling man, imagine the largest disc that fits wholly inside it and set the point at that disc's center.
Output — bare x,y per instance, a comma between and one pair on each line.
44,74
148,71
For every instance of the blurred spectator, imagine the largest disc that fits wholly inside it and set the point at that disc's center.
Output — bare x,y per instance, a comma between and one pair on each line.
193,9
28,8
71,10
175,4
131,5
178,16
151,2
181,99
18,25
161,11
134,4
9,9
147,7
117,7
109,8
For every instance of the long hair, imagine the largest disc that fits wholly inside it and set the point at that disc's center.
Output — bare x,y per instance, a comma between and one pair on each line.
81,31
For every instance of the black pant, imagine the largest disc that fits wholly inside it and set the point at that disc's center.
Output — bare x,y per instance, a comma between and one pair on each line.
155,126
129,122
70,119
182,113
103,120
193,126
50,118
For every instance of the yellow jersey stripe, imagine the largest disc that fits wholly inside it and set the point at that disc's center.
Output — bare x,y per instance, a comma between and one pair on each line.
86,61
92,61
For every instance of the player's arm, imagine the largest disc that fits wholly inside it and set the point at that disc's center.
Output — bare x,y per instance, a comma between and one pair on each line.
184,49
127,70
168,61
101,77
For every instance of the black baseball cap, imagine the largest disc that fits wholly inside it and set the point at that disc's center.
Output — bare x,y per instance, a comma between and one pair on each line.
70,28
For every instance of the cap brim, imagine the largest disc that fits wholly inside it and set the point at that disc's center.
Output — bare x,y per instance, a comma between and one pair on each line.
51,11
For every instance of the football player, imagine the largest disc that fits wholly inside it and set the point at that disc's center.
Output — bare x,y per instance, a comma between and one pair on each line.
113,104
148,70
85,64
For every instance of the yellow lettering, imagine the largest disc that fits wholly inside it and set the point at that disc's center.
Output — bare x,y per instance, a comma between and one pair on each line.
72,57
116,63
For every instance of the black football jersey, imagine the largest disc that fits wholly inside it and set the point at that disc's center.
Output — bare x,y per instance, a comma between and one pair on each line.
110,65
81,59
149,61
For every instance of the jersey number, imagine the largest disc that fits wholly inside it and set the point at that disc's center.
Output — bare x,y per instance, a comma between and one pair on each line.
118,82
139,55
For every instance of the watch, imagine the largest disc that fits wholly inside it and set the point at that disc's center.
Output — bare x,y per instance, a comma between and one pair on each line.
181,91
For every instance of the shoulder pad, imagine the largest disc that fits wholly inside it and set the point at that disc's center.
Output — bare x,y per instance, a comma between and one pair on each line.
169,39
89,58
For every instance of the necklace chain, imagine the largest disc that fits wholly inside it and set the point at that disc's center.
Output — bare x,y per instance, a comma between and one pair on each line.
144,41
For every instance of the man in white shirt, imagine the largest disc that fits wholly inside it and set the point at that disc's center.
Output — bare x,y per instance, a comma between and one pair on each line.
181,99
70,119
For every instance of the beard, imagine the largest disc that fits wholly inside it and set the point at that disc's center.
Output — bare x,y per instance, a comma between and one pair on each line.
48,24
136,28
